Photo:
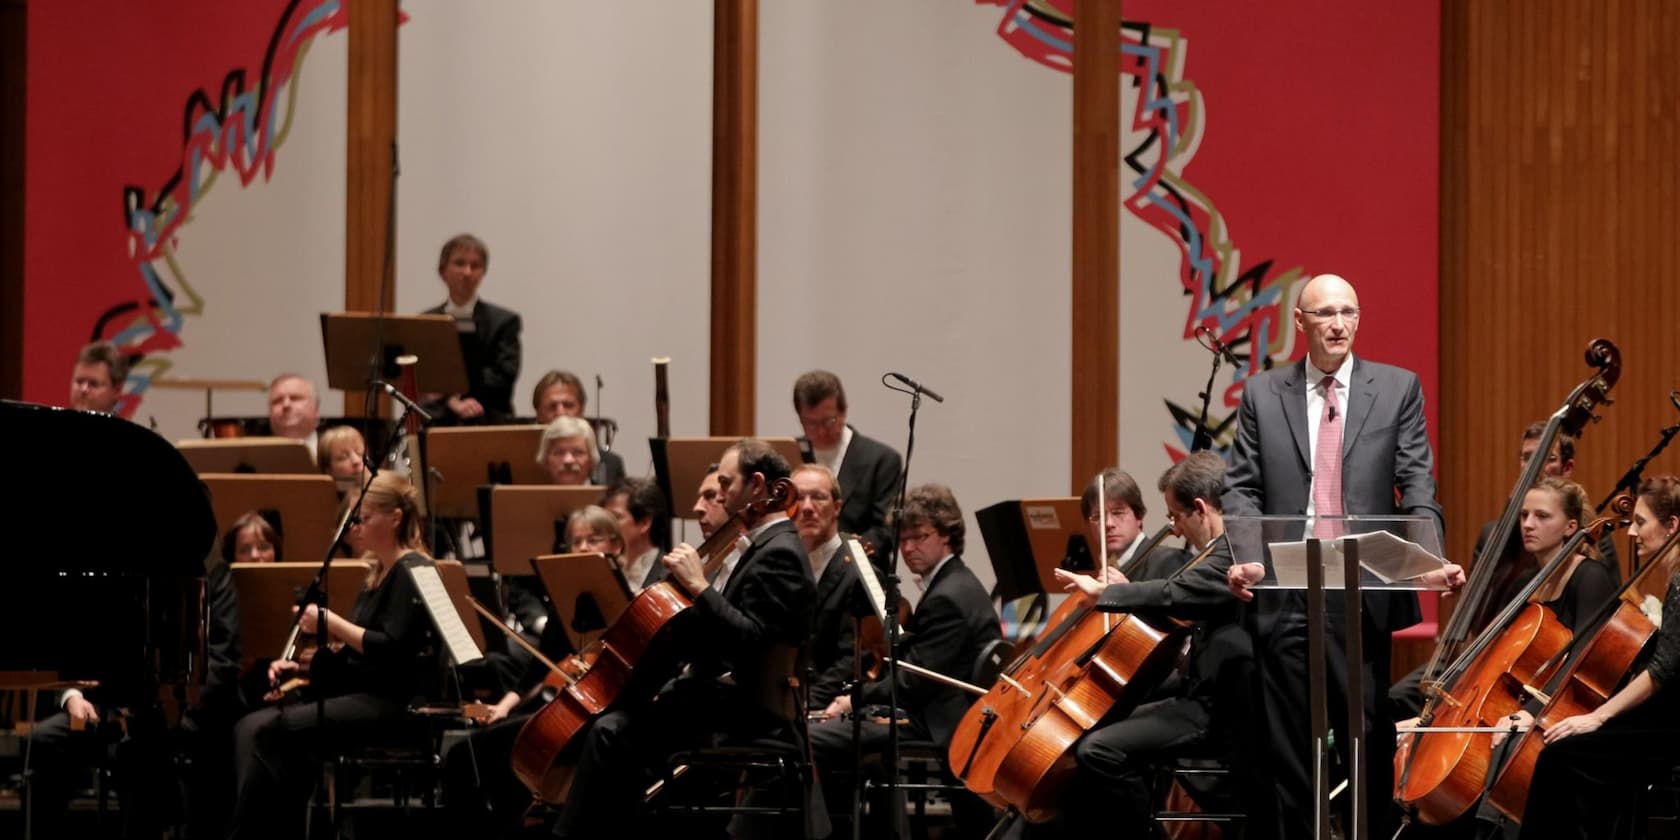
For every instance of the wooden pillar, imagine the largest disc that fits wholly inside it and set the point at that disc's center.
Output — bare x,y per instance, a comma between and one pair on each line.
734,318
14,61
1095,337
371,134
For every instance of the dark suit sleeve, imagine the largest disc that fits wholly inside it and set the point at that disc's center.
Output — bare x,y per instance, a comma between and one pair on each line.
502,366
1414,462
776,595
828,683
1191,594
221,638
938,643
1244,483
884,478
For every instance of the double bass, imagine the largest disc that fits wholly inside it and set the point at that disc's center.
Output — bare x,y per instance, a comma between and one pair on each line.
630,661
1440,775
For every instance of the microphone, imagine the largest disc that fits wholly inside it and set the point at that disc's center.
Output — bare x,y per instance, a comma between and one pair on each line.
917,387
1214,344
399,397
1332,413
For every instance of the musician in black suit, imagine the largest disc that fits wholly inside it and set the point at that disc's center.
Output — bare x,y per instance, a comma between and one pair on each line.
748,622
1374,412
867,468
1112,792
489,335
1120,526
560,393
640,509
833,637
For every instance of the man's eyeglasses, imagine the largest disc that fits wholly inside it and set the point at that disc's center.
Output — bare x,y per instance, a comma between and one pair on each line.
1114,513
828,422
1328,313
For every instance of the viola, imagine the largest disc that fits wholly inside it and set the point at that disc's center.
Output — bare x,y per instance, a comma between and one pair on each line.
1601,666
631,660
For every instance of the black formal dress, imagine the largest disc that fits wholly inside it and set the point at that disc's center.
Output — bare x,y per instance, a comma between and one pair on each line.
746,631
278,750
491,351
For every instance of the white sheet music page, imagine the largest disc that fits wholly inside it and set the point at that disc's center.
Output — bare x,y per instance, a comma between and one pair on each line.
871,584
444,617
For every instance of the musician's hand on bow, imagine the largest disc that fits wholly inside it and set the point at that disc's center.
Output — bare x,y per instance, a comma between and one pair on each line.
1577,725
1520,722
686,569
309,622
1242,576
1083,585
839,707
1112,574
465,408
80,710
281,669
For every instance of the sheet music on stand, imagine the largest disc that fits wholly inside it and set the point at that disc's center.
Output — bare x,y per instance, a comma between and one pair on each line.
1392,559
456,638
871,584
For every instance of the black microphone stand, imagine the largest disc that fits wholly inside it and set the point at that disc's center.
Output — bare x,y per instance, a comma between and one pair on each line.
890,625
1203,438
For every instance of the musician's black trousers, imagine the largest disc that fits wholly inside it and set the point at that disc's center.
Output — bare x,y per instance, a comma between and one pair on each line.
480,792
1113,785
278,754
1584,784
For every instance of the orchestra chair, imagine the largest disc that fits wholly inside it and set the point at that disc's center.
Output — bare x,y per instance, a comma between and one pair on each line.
766,779
1204,795
923,766
408,761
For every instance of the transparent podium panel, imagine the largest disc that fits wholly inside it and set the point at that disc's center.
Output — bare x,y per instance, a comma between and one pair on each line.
1389,552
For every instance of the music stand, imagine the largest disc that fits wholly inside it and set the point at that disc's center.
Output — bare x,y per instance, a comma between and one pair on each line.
433,338
464,457
1026,540
248,455
569,578
680,462
522,521
455,580
268,591
307,505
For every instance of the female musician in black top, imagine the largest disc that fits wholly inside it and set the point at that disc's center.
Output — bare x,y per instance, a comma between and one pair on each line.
381,656
1593,764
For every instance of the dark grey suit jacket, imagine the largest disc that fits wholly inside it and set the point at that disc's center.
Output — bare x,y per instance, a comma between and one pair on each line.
492,355
1387,464
834,628
869,482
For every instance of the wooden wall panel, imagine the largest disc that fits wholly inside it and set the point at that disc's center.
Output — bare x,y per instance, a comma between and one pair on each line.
734,319
1559,164
369,217
1094,440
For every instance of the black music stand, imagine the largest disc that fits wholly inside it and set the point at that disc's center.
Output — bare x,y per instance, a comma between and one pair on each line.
460,458
432,338
587,590
307,506
267,592
1026,540
522,521
248,455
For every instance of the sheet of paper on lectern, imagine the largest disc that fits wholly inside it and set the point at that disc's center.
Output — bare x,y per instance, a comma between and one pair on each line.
1390,558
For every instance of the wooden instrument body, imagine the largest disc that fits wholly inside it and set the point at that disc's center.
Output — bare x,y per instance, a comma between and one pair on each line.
632,659
1132,658
1587,683
1448,770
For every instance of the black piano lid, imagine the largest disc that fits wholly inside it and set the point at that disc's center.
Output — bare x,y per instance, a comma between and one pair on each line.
93,493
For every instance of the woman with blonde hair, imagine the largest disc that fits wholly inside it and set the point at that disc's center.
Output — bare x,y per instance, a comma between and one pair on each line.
380,656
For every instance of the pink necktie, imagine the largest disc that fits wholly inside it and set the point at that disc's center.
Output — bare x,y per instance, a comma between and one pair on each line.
1327,465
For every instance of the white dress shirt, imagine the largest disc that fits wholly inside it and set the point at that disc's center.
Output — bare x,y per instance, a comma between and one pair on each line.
833,458
822,554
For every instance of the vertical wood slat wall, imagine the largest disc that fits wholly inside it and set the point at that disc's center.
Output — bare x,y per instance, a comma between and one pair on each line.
1094,355
371,131
734,318
1560,179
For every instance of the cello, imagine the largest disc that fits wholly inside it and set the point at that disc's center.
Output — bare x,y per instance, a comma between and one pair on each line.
1439,776
1590,679
631,660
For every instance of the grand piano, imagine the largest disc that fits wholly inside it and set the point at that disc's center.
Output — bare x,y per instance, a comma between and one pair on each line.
106,532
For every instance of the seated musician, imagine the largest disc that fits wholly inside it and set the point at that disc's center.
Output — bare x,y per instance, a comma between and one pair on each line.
640,509
483,796
746,623
833,635
252,538
382,656
567,451
1120,527
560,393
1594,766
294,410
1111,792
342,454
708,503
96,382
951,627
489,336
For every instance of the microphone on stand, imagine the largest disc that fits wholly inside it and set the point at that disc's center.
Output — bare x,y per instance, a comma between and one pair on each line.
402,398
917,386
1213,344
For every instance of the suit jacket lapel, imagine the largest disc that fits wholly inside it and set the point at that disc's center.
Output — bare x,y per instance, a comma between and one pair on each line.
738,572
832,573
1360,398
1293,394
